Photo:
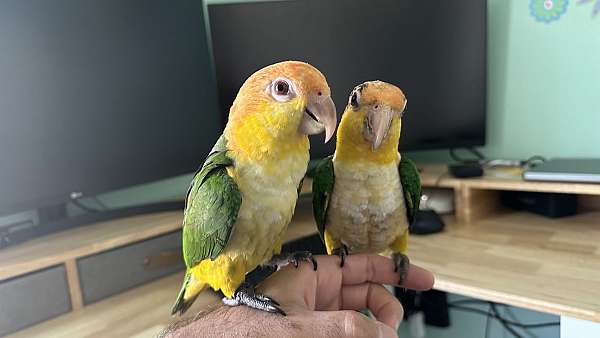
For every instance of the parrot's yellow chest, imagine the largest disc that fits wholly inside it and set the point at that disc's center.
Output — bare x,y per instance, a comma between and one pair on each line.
366,211
268,202
269,195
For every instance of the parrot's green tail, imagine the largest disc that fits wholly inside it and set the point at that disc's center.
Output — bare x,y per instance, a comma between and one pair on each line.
181,305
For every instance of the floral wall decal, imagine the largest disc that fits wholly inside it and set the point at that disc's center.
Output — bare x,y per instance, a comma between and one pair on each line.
548,10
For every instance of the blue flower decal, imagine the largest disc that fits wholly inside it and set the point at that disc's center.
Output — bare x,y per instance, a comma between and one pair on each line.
596,8
548,10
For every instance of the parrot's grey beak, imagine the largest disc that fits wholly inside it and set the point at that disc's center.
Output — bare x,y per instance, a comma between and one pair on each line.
319,115
377,124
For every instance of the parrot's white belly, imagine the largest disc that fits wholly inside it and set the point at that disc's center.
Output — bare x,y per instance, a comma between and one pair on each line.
268,202
367,211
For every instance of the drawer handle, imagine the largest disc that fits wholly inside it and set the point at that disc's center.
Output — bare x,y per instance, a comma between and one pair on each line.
163,259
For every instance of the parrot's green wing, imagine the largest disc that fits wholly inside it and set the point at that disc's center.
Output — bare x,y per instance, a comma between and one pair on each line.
411,185
299,189
323,181
212,205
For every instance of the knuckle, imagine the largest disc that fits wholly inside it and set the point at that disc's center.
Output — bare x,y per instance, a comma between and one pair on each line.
353,324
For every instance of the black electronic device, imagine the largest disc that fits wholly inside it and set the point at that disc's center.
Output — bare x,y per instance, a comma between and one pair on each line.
547,204
434,50
101,95
466,169
435,307
433,304
427,222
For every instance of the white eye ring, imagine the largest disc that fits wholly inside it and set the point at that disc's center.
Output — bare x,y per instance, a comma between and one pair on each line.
282,89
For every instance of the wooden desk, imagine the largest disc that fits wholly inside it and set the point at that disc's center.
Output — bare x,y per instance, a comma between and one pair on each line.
519,259
510,257
513,258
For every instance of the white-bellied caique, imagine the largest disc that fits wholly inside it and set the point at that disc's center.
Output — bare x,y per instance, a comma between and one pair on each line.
241,200
366,195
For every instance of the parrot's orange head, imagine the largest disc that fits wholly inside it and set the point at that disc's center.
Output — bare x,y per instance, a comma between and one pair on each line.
372,121
283,102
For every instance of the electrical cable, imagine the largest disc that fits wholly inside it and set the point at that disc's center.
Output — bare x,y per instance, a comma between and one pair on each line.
504,322
100,203
487,321
76,202
497,316
533,160
480,158
508,313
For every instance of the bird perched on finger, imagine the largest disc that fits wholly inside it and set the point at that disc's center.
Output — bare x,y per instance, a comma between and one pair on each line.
366,195
241,200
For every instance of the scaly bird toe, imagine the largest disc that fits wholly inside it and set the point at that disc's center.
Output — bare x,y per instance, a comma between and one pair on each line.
294,258
401,265
246,295
303,256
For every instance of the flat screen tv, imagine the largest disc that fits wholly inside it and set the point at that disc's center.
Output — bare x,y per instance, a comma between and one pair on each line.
100,95
434,50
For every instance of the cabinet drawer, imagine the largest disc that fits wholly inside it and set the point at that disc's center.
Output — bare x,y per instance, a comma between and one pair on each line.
32,298
110,272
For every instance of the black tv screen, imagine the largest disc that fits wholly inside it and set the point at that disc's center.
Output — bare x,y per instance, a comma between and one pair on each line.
98,95
435,51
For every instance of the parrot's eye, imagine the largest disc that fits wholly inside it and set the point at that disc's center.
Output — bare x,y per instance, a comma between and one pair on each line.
354,100
282,90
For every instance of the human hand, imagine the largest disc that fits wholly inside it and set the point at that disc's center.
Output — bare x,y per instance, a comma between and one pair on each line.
327,298
319,303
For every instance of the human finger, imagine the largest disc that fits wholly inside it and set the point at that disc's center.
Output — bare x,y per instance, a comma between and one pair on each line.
378,269
385,306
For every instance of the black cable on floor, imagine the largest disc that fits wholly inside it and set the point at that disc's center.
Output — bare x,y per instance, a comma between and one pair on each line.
496,316
504,322
487,321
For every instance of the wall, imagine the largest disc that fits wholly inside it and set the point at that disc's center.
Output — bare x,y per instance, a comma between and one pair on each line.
543,83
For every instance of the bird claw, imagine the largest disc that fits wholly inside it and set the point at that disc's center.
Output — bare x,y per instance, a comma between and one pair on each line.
300,256
266,298
401,265
246,295
294,258
342,252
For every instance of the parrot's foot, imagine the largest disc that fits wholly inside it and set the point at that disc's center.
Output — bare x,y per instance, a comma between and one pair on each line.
401,263
246,295
342,252
294,258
